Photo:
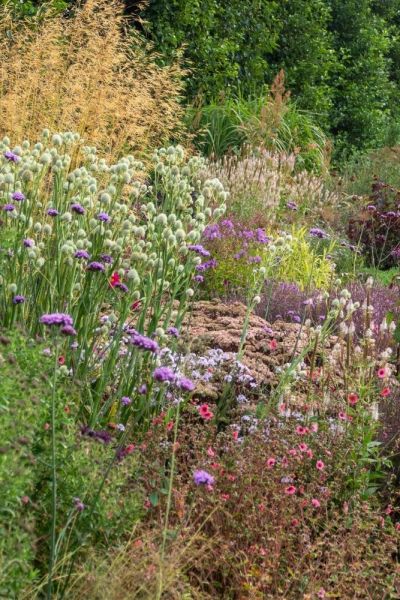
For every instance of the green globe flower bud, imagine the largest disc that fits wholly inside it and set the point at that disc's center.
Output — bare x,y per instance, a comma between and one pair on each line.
12,287
40,262
37,227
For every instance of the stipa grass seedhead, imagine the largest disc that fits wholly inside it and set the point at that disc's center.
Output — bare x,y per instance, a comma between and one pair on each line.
87,74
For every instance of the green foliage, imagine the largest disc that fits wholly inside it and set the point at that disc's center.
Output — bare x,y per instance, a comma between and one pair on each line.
226,43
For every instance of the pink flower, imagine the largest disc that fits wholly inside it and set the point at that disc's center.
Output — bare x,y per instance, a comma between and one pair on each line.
301,430
170,425
382,372
342,416
320,465
271,463
282,408
310,453
293,452
352,398
397,526
295,522
316,503
235,435
303,447
210,452
321,593
205,412
314,427
273,345
290,490
385,392
225,497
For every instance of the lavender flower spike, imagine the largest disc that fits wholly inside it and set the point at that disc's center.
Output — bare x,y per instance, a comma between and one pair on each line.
56,319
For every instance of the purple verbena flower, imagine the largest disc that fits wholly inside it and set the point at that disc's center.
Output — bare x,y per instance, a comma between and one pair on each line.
68,330
52,212
101,435
201,477
142,389
9,207
173,331
318,233
79,504
11,156
199,249
125,401
107,259
164,374
199,278
103,217
95,266
18,299
28,243
185,384
77,208
82,254
291,205
210,264
56,319
121,286
144,343
18,196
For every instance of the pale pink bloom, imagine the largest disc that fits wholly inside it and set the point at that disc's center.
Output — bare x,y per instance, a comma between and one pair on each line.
225,496
342,416
290,490
309,453
301,430
273,345
282,408
321,593
316,503
285,462
382,373
271,463
314,427
293,452
320,465
303,447
210,452
235,435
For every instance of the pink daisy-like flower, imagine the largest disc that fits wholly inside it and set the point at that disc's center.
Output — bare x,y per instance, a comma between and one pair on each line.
271,463
352,398
316,503
309,453
382,373
314,427
321,593
301,430
205,412
303,447
320,465
290,490
385,392
273,344
293,452
342,416
295,522
210,452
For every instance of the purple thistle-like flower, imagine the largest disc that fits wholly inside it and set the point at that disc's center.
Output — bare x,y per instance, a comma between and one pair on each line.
28,243
52,212
95,266
261,236
185,384
68,330
11,156
201,477
291,205
199,278
164,374
18,196
79,504
78,208
56,319
212,232
142,389
121,286
144,343
82,254
103,217
18,299
173,331
318,233
199,249
107,259
125,401
9,207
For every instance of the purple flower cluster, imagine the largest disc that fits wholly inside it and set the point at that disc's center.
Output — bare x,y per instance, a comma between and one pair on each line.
103,217
77,208
11,156
107,259
125,401
59,319
199,249
101,435
201,477
18,299
173,331
144,343
9,207
18,196
316,232
121,286
82,254
28,243
291,205
164,374
95,266
53,212
210,264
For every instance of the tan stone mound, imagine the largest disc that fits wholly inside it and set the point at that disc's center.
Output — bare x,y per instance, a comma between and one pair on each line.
218,325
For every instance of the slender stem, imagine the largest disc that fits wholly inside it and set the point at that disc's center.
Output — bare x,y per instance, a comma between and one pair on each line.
54,478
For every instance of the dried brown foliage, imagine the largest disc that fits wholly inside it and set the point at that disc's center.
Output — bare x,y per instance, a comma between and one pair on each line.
86,73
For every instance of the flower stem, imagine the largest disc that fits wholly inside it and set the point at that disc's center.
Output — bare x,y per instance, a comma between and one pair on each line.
54,479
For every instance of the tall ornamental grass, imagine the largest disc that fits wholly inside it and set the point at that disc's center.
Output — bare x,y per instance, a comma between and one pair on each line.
84,72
